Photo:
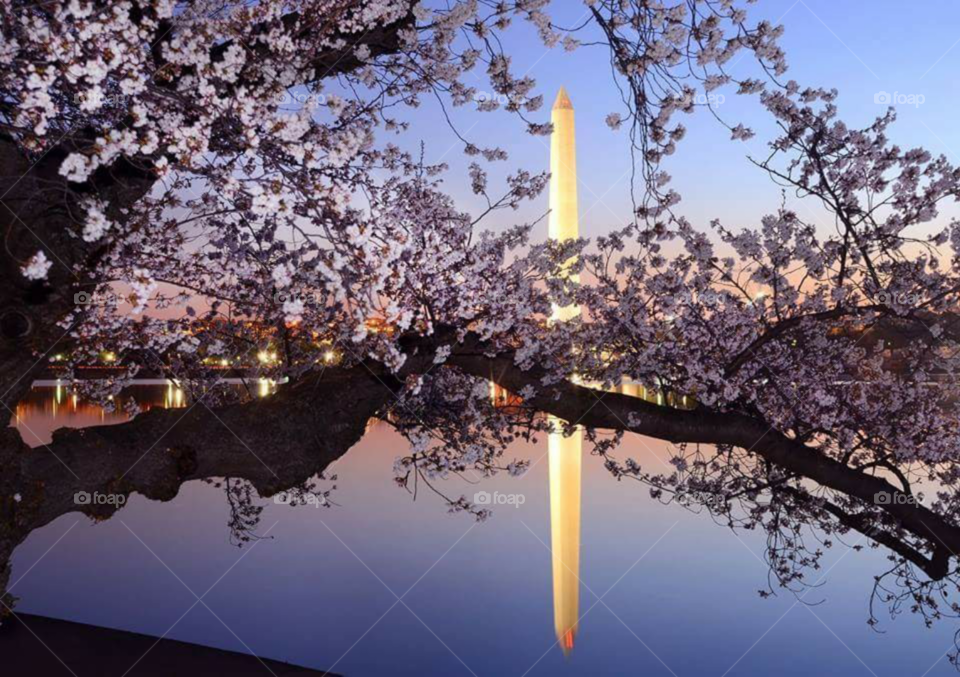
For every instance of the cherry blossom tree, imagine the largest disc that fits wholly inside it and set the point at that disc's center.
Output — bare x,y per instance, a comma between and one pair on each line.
187,182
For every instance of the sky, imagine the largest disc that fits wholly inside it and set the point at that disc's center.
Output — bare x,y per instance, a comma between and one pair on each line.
907,51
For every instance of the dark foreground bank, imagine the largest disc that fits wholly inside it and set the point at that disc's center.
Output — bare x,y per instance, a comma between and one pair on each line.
36,645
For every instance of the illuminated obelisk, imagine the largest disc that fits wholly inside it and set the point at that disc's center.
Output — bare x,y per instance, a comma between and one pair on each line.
564,220
564,452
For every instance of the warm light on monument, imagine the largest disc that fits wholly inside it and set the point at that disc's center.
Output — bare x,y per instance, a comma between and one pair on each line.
564,219
564,455
564,452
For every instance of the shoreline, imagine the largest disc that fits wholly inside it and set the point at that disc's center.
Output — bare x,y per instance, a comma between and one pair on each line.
42,645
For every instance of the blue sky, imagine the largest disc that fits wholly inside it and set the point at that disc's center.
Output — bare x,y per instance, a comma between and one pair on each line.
861,48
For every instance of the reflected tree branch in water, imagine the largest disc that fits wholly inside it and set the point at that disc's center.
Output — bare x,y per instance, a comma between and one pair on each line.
574,402
244,511
296,433
302,428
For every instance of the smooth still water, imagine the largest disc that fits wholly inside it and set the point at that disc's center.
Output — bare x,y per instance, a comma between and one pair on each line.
662,591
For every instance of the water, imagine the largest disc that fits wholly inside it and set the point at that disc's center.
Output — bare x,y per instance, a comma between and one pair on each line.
679,593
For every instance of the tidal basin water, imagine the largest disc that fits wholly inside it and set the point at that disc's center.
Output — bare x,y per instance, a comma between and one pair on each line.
380,584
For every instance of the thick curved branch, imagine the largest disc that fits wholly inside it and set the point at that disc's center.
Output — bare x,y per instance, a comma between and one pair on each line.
614,411
275,443
283,440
